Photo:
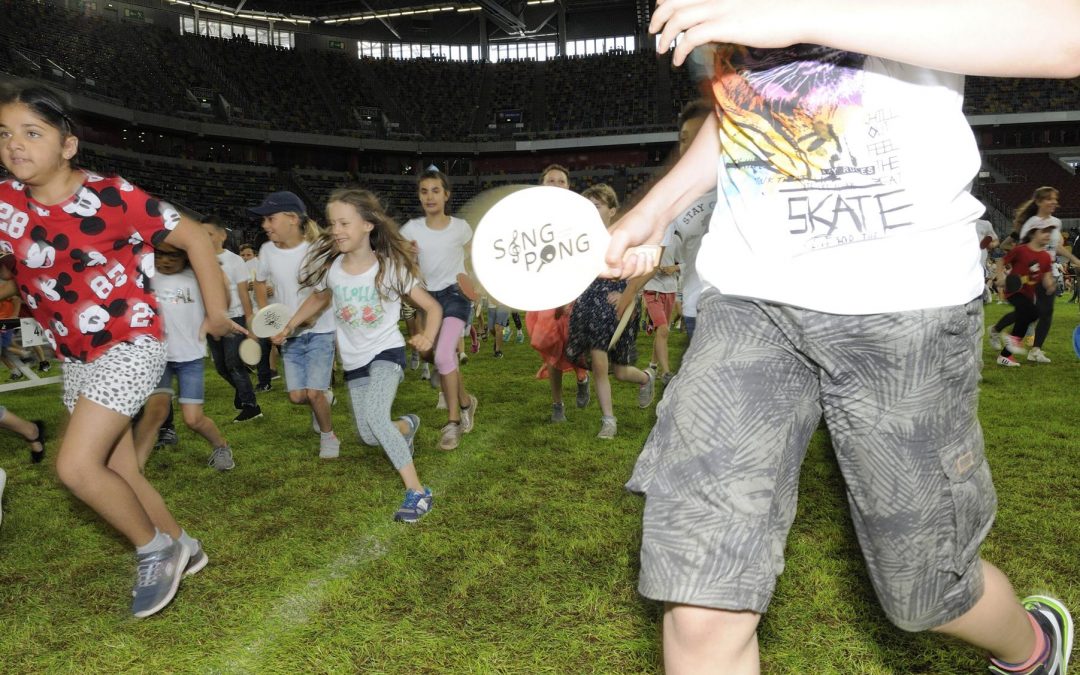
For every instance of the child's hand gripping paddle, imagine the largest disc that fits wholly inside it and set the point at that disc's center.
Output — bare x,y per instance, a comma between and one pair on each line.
539,247
270,320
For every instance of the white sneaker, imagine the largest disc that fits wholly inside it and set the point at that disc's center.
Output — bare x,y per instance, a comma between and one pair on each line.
329,447
608,428
1008,362
425,374
1037,355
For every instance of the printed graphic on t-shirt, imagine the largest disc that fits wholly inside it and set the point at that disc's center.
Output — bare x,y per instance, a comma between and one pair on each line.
83,267
793,125
358,306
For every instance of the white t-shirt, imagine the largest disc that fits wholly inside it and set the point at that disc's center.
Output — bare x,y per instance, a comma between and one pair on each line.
692,226
984,228
442,252
283,265
366,324
237,272
180,302
667,283
839,173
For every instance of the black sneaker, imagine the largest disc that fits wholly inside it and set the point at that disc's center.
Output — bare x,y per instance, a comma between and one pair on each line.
583,393
236,402
37,455
44,366
498,354
166,436
248,412
262,388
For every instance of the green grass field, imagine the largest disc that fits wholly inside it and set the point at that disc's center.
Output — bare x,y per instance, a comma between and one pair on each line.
527,564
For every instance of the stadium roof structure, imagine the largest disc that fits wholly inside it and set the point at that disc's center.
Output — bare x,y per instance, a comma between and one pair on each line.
510,15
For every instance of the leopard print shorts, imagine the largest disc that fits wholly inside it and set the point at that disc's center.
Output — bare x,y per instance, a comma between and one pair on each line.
121,379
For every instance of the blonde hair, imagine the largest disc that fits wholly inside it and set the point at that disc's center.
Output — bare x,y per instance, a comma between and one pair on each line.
1031,206
385,238
604,193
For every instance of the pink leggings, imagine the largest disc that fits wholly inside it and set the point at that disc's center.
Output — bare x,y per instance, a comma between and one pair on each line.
446,347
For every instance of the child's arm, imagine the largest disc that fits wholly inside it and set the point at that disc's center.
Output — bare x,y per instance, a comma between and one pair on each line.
245,300
692,176
423,301
190,237
261,296
952,34
315,303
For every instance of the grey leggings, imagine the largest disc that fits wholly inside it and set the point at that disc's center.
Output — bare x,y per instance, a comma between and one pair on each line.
372,398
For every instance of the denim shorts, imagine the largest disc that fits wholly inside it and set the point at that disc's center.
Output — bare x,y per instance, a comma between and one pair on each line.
720,470
309,361
190,376
453,303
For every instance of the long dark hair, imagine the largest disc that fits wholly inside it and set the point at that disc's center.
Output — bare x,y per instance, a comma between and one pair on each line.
386,242
52,107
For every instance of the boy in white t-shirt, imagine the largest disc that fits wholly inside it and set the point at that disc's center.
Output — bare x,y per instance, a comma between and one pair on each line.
181,305
836,166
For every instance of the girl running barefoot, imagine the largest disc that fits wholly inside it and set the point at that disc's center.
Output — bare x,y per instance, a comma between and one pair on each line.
440,241
549,329
365,268
181,307
84,253
593,321
309,352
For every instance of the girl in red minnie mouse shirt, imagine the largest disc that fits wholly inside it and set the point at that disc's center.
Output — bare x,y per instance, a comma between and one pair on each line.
79,250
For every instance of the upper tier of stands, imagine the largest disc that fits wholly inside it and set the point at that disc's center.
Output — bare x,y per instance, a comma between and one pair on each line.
154,68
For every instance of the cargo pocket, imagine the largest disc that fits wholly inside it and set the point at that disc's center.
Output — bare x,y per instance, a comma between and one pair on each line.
971,497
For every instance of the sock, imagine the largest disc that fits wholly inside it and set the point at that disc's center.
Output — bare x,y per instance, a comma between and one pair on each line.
189,542
327,435
1038,655
159,542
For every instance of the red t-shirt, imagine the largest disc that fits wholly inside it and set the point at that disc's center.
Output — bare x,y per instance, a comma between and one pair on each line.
83,266
1029,266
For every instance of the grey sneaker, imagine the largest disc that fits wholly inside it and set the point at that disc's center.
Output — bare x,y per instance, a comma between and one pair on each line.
166,436
558,413
468,415
450,436
645,391
196,559
157,576
608,428
329,448
414,425
221,459
583,393
666,378
415,506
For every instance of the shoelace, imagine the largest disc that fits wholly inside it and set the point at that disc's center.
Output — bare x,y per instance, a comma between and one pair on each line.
147,573
412,499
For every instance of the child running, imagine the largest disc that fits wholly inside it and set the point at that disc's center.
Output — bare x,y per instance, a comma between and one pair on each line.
832,108
593,321
365,268
309,352
181,306
549,329
440,241
1027,271
84,253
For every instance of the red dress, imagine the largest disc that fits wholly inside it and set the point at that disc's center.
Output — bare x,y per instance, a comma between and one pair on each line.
548,335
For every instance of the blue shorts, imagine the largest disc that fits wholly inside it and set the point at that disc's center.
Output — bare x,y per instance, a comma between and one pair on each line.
309,361
190,376
7,338
453,303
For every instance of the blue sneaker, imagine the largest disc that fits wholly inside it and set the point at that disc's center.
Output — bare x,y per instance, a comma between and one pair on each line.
506,334
415,506
414,425
157,578
520,336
